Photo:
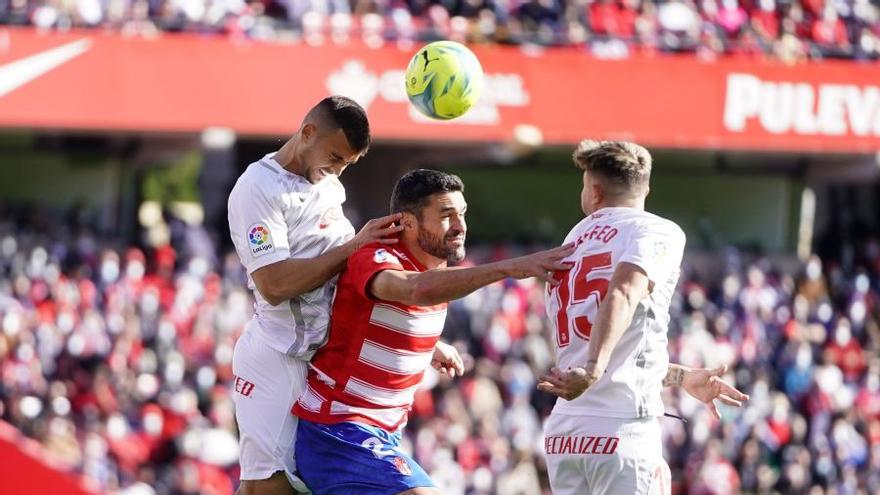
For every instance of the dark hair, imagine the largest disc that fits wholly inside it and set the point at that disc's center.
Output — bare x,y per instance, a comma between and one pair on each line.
623,163
412,191
339,112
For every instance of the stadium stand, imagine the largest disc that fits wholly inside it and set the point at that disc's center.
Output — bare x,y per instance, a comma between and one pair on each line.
790,30
117,361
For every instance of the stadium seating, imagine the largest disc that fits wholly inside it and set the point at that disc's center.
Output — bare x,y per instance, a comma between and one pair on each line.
788,30
118,362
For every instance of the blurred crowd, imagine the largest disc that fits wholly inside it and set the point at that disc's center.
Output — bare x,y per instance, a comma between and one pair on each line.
118,361
791,30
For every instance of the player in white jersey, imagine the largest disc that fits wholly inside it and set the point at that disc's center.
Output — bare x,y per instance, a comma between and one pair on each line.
286,221
610,314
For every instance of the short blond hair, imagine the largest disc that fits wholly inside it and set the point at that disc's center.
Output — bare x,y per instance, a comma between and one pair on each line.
625,165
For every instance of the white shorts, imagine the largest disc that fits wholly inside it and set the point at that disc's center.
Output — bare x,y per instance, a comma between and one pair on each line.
265,387
605,456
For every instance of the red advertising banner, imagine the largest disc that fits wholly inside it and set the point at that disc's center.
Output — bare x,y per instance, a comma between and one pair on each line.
92,80
26,470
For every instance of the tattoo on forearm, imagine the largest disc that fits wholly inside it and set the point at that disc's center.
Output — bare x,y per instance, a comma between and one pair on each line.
674,377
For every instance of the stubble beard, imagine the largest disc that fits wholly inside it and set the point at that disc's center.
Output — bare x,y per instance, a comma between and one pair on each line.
439,248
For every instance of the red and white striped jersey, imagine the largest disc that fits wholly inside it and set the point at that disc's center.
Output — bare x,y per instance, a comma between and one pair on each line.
377,351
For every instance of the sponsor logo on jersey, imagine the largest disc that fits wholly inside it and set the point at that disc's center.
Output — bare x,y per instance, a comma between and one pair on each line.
383,256
260,240
580,445
243,386
331,215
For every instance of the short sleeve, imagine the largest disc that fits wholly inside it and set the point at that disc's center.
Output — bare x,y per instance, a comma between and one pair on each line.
366,262
257,225
657,248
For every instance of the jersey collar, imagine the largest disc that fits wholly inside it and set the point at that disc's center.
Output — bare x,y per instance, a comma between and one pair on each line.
269,159
400,250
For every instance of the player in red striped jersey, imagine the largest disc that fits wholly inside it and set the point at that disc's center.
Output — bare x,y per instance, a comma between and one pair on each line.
384,332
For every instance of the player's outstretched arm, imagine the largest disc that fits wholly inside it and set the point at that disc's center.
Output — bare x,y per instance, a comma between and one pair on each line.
292,277
705,385
628,286
445,284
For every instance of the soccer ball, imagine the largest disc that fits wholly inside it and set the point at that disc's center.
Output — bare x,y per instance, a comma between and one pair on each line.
444,79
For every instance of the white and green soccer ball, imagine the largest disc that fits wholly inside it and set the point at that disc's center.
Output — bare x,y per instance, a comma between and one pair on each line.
444,79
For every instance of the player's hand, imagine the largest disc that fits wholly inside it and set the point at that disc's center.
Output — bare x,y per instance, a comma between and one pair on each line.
542,264
447,360
706,385
382,230
569,384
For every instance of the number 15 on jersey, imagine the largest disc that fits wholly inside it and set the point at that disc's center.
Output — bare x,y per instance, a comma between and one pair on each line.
578,295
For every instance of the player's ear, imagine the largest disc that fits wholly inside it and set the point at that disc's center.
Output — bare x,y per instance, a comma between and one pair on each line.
598,194
308,132
409,221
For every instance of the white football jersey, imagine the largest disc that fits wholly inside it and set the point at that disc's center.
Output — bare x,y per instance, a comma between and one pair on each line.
275,215
632,383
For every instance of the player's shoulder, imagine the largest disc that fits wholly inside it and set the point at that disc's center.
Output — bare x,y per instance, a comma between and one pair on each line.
645,220
260,177
368,248
578,228
376,252
265,180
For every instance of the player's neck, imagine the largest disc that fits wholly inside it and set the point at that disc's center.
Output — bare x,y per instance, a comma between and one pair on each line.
637,204
286,157
428,261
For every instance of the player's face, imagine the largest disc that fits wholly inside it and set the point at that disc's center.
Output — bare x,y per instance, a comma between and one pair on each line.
326,153
442,228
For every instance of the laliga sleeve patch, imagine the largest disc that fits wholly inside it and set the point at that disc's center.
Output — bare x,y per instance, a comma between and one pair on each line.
260,240
660,250
383,256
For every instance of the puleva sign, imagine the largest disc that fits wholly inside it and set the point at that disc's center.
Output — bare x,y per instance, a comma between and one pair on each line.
807,109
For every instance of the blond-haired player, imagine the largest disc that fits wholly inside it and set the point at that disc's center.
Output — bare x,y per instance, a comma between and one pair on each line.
610,314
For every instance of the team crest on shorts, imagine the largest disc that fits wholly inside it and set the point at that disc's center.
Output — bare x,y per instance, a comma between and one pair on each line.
260,240
402,466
